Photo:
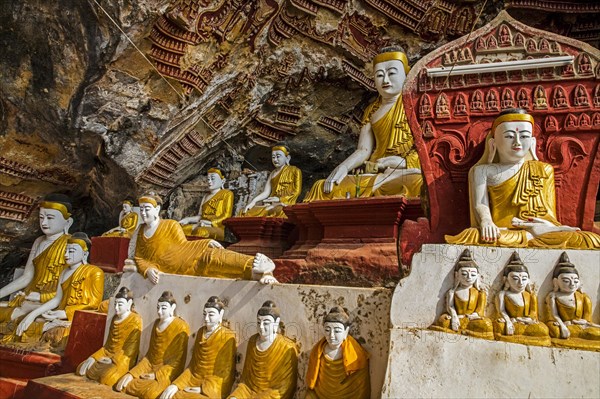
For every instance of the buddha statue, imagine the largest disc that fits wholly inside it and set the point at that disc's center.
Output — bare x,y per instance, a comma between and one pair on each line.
119,354
160,246
385,148
282,189
271,364
81,286
128,222
465,302
46,261
517,308
166,354
570,310
512,195
338,366
216,206
211,371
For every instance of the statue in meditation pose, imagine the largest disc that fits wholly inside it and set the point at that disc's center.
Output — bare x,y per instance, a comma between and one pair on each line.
570,310
166,355
119,354
216,206
517,307
282,189
465,302
159,246
385,148
338,366
128,222
271,364
512,193
212,369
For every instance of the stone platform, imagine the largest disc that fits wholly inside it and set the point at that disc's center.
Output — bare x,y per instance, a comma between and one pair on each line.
109,253
69,386
270,236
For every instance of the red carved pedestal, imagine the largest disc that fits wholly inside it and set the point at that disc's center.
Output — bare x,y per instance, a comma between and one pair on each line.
270,236
109,253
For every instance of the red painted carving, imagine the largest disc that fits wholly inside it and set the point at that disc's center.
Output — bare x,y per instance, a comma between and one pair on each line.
580,97
550,124
425,107
559,98
441,106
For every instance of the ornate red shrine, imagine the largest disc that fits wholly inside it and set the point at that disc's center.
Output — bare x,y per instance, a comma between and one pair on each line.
109,253
270,236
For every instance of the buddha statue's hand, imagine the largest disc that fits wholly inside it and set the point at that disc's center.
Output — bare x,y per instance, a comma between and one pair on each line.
262,264
24,324
169,392
271,200
193,389
454,323
474,316
153,275
148,376
214,244
85,365
205,223
537,226
249,206
34,296
525,320
184,221
391,162
564,331
510,328
4,304
335,178
123,382
105,360
579,322
489,231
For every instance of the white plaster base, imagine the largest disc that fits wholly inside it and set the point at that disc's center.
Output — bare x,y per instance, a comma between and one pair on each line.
429,364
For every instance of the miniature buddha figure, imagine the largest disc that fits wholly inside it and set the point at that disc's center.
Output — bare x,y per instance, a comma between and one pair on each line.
160,246
271,364
282,189
385,148
216,206
465,302
128,221
166,354
46,261
512,195
570,310
119,354
517,307
81,286
338,366
212,368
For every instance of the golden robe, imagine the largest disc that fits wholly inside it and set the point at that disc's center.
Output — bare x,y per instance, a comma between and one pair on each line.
122,347
165,358
481,328
271,374
287,186
129,223
392,138
218,208
529,193
170,252
529,334
347,377
212,367
580,337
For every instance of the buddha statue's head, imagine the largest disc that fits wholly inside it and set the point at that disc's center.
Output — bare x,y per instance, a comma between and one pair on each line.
511,139
127,206
166,306
55,214
565,277
466,271
78,249
267,319
336,325
390,68
123,302
216,180
150,205
213,313
516,275
280,156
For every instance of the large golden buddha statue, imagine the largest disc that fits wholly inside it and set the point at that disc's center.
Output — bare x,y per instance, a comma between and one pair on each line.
128,222
166,355
212,369
216,206
46,261
119,354
466,302
512,193
338,366
271,364
385,148
570,310
160,246
282,189
517,307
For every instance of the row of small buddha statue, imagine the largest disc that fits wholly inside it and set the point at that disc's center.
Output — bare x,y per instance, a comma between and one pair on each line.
569,310
338,366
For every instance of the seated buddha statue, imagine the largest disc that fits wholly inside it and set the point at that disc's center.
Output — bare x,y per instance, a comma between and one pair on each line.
512,195
160,246
46,261
119,354
282,189
80,287
166,354
211,371
338,366
271,364
216,206
465,302
386,149
128,222
517,308
570,310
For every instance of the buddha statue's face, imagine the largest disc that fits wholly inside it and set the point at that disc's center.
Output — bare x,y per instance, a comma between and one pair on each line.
149,212
517,281
53,222
389,78
212,318
568,282
335,334
267,326
122,306
126,208
214,181
513,140
279,158
165,310
74,254
466,276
